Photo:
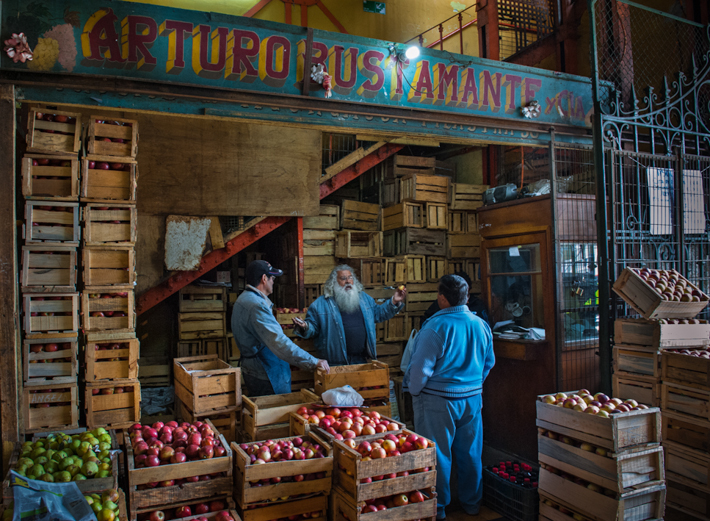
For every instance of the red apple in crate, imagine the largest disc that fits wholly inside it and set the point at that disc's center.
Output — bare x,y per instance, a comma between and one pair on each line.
157,515
223,516
416,497
217,505
183,512
202,508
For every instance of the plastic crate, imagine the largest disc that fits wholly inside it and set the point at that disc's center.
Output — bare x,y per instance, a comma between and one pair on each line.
513,501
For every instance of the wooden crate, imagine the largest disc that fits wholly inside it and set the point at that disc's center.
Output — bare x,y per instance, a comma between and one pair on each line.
152,374
410,215
420,297
436,267
195,298
319,242
647,503
50,177
48,268
53,132
458,222
643,389
653,335
108,308
111,356
371,380
199,325
50,407
285,318
51,222
405,269
391,192
352,244
316,269
312,292
465,246
355,215
115,137
266,417
414,241
466,197
296,508
689,499
115,410
400,166
619,432
370,272
425,188
205,346
58,313
226,422
50,360
108,265
685,400
686,431
684,463
471,268
115,224
328,218
629,361
621,473
346,509
398,328
437,216
648,302
688,370
206,383
108,179
210,516
246,473
301,379
220,485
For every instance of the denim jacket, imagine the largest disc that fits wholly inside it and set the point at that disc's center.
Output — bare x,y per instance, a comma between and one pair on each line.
325,323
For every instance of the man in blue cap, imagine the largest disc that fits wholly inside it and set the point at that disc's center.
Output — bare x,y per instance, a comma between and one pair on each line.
266,352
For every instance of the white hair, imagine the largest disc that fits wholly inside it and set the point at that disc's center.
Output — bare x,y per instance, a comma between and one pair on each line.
329,286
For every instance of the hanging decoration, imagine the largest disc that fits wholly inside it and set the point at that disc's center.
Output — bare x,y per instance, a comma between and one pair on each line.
319,74
18,49
532,110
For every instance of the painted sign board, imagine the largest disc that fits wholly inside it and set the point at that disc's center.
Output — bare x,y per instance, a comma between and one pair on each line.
155,43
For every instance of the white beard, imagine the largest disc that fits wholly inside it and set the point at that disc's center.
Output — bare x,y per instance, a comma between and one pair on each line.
347,300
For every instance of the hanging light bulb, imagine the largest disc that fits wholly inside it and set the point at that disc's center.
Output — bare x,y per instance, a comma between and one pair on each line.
412,52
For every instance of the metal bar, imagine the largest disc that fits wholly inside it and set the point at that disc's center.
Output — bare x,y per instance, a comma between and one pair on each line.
557,317
447,36
287,15
680,211
421,35
441,37
307,62
301,293
258,7
461,32
661,13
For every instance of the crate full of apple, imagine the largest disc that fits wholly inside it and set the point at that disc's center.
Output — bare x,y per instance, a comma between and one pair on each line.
208,510
660,293
342,423
611,423
689,367
281,468
415,504
371,380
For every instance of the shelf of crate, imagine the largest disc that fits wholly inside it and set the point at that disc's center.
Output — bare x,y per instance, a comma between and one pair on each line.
51,222
265,417
122,136
111,356
53,137
205,383
50,407
108,308
53,177
110,224
51,313
48,268
50,367
106,179
115,410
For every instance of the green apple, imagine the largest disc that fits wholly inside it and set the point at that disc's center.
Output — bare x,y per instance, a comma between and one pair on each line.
73,469
79,477
47,477
62,477
90,469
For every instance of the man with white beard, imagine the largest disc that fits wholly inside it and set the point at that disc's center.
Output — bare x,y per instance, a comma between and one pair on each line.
343,319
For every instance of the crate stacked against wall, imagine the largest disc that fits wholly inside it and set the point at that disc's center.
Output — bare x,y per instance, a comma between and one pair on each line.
109,177
596,464
463,241
202,321
50,301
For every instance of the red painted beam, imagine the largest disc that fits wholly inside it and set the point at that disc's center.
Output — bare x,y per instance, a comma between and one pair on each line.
258,7
301,297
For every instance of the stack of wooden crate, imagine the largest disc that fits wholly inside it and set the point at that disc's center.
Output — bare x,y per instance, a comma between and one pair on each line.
319,249
463,241
371,381
268,417
109,176
50,185
202,321
594,467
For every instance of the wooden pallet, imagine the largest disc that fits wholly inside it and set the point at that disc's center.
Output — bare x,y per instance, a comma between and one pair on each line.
328,218
58,313
420,297
61,135
50,407
643,389
370,380
114,224
354,244
355,215
111,356
51,222
115,137
58,365
108,265
268,511
116,410
436,267
106,179
414,241
206,383
652,335
108,308
405,269
467,245
246,473
437,216
425,188
199,325
686,400
48,268
617,433
409,215
686,431
225,420
466,197
636,362
265,417
50,177
688,370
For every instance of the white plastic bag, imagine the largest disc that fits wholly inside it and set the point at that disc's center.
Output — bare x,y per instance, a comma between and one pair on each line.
344,396
407,355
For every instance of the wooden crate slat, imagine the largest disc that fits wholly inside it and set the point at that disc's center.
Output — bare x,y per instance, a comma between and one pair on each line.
373,375
465,246
41,366
688,370
643,389
406,269
425,188
269,411
109,265
436,267
107,179
357,215
52,222
353,244
195,298
685,400
639,362
51,407
403,215
65,135
115,303
122,133
437,216
110,224
48,268
653,335
281,509
466,196
116,410
205,382
111,356
414,241
687,431
53,313
50,177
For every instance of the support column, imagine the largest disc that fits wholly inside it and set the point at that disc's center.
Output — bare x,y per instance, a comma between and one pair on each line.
488,42
301,289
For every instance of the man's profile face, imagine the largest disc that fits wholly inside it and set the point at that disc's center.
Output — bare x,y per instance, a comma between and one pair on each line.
345,280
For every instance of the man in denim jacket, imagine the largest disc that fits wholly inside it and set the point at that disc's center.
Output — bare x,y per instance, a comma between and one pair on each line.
451,357
265,351
343,319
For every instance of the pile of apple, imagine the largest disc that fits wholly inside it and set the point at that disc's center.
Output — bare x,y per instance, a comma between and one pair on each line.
172,443
270,451
600,451
182,512
574,515
50,348
701,352
48,403
599,404
671,285
579,481
50,313
104,505
62,458
397,500
112,390
102,165
58,118
107,313
348,423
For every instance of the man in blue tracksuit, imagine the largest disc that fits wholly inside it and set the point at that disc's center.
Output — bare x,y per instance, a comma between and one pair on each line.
265,351
343,319
451,357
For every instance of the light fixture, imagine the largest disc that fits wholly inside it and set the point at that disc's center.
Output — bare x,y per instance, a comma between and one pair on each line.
412,52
